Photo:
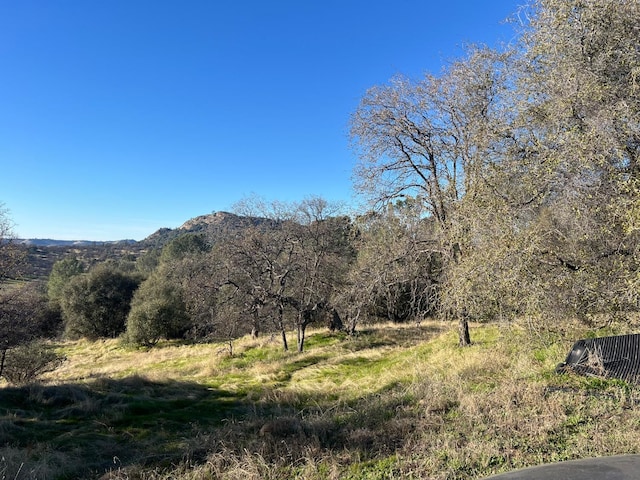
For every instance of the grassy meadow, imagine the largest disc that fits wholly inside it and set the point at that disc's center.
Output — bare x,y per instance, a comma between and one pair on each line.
391,402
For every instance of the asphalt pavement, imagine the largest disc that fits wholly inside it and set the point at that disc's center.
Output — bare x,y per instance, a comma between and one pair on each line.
620,467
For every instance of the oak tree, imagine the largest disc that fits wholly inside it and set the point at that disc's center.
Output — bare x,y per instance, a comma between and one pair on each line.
430,140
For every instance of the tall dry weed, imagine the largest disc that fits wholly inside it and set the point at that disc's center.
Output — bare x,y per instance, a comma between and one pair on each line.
36,462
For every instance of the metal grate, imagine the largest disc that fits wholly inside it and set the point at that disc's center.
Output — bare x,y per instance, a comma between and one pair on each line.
607,357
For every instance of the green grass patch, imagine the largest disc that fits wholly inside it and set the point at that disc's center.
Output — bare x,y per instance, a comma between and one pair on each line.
130,419
392,402
383,469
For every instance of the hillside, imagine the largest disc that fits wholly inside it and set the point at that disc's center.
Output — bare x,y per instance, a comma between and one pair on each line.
49,242
43,253
391,402
40,258
217,226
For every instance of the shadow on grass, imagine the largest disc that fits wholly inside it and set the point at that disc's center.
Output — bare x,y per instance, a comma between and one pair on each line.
393,336
133,427
106,424
114,428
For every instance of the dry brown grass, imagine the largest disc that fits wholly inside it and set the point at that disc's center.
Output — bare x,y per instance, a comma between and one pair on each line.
391,403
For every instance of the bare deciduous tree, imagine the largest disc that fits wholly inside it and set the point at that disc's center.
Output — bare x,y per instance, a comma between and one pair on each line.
287,270
527,160
430,140
397,269
12,255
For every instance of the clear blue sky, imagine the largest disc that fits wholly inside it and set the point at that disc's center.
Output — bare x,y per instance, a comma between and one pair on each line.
118,117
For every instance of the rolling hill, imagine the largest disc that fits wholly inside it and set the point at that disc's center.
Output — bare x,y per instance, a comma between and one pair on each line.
43,253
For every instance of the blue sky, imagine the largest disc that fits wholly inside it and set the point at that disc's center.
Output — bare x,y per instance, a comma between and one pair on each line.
118,117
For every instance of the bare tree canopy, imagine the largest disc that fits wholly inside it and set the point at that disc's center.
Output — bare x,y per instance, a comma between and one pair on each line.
527,161
11,255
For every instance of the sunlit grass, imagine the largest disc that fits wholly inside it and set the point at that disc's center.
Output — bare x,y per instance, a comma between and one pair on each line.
391,402
363,359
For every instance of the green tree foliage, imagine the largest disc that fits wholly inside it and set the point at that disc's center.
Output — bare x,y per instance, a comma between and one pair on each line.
550,234
96,305
199,276
148,261
61,273
192,266
184,246
178,299
157,311
583,59
27,361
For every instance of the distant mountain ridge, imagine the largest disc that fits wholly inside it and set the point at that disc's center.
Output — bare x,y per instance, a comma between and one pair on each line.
216,226
48,242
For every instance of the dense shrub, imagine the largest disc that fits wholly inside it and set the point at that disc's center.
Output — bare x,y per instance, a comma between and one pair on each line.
157,311
61,273
96,305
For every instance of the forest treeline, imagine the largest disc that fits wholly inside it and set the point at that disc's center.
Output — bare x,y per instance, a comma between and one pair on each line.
506,186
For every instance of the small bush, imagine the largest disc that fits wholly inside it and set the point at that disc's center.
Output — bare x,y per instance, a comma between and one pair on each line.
26,363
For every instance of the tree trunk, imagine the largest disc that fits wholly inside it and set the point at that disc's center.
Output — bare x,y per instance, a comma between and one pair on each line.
335,322
304,318
463,332
255,327
301,333
283,332
2,358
